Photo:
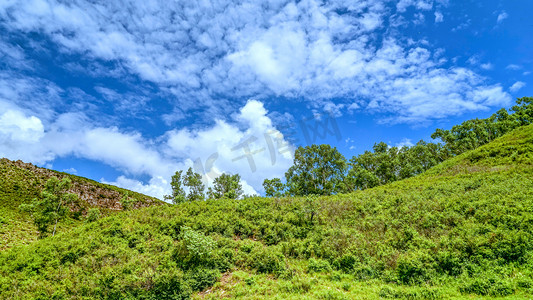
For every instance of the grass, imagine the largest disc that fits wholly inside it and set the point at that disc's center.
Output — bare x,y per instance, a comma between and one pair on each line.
462,230
21,183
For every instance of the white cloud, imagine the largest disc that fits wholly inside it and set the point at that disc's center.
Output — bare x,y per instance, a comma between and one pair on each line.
404,142
157,186
487,66
513,67
14,125
439,17
223,50
252,147
270,155
473,60
517,86
71,171
502,16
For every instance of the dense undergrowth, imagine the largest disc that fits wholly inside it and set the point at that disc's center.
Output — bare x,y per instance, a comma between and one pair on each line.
464,228
20,185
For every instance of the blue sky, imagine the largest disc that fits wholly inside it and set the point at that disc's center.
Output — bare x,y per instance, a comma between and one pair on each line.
129,92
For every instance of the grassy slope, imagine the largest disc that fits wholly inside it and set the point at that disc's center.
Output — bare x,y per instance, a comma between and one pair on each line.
20,183
461,230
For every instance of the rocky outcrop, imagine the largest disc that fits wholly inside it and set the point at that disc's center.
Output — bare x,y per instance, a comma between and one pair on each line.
91,193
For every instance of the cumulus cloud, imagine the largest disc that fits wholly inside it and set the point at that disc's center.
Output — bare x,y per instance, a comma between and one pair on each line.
15,126
224,50
517,86
250,146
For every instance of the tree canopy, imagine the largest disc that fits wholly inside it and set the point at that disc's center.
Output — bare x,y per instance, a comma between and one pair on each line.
322,170
226,186
52,206
317,169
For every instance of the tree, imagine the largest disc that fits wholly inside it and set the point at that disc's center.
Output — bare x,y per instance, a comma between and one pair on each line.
178,194
523,111
52,206
226,186
317,169
387,164
273,187
477,132
196,187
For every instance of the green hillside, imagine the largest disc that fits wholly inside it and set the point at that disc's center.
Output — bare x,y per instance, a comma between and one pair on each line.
464,229
21,182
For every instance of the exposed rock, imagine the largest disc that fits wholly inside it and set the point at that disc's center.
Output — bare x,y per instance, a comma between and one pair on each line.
91,193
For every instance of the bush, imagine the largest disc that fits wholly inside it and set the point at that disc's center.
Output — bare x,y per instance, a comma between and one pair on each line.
171,287
266,260
487,287
196,247
93,214
345,263
411,271
318,265
201,278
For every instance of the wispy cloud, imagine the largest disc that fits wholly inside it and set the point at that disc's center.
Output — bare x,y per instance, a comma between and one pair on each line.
501,17
517,86
513,67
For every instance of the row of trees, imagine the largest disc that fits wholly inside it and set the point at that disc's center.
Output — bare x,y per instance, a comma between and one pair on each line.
224,186
323,170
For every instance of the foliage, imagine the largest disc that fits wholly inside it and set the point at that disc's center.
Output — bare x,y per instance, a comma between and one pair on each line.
388,164
93,214
476,132
226,186
52,206
196,187
178,193
21,183
317,169
197,246
127,202
462,228
273,187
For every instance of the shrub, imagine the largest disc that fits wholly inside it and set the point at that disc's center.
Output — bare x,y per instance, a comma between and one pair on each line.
93,214
198,247
487,287
411,271
201,278
266,260
318,265
346,263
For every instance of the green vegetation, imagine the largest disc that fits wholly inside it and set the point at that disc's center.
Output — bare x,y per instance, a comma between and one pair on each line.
52,206
322,170
226,186
21,183
317,170
461,230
